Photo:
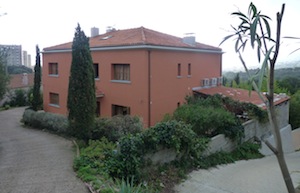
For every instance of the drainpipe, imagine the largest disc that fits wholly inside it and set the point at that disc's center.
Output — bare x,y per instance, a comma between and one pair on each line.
149,88
221,63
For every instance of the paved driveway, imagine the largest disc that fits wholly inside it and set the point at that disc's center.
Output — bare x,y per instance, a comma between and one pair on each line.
33,161
253,176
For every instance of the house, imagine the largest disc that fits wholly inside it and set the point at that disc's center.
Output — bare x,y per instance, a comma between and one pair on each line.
21,81
137,71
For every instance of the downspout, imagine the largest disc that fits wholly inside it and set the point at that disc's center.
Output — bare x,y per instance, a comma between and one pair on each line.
221,55
149,88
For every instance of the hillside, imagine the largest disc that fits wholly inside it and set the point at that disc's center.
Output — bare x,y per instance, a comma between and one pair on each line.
280,73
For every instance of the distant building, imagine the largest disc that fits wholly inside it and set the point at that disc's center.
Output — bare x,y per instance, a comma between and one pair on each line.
26,59
29,60
13,54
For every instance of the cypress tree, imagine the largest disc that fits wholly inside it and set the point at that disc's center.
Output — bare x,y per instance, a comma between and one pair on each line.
4,78
81,94
37,100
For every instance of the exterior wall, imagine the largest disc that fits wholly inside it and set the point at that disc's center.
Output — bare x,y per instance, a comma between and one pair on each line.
56,84
166,88
296,138
133,94
254,128
21,80
220,143
286,138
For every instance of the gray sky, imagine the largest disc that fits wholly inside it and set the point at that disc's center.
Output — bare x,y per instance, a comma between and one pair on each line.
48,23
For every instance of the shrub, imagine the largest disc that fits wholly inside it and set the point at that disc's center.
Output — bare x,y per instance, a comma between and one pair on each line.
294,115
30,98
129,161
116,127
90,165
43,120
18,98
209,121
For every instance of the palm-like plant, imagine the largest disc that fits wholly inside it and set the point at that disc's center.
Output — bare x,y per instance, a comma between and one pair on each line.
254,28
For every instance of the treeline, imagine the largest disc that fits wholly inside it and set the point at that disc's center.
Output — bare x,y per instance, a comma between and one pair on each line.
18,70
286,79
280,74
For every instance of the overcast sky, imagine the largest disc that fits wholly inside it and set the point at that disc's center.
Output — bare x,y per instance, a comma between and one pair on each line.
49,23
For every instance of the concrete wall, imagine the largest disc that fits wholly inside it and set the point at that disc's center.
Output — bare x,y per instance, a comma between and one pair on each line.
287,142
220,143
254,129
296,138
162,156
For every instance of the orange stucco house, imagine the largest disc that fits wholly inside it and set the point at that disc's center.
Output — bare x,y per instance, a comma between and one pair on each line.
137,71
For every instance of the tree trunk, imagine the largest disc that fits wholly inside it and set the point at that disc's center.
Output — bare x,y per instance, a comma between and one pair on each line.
279,151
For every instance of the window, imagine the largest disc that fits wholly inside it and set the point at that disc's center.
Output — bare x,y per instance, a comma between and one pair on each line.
96,71
121,72
179,69
53,69
189,69
54,99
120,110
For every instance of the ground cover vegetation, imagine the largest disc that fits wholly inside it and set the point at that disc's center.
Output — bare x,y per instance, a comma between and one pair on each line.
119,150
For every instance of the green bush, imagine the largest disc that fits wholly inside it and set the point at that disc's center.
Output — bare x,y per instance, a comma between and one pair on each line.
294,115
209,121
116,127
18,99
90,165
129,160
43,120
30,98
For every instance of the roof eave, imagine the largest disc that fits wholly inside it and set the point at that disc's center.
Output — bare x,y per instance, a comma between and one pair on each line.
144,46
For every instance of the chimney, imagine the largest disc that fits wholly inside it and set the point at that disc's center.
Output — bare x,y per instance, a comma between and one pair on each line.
110,29
189,39
94,31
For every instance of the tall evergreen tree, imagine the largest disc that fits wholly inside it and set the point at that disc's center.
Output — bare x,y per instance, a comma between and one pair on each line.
81,94
37,100
4,78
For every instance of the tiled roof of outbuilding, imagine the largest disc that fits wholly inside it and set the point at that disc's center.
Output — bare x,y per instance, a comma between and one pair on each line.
136,36
241,95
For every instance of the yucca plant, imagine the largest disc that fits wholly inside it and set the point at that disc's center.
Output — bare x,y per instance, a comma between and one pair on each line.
129,187
254,28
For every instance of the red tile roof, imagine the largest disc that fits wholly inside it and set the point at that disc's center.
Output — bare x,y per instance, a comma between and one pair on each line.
136,36
241,95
